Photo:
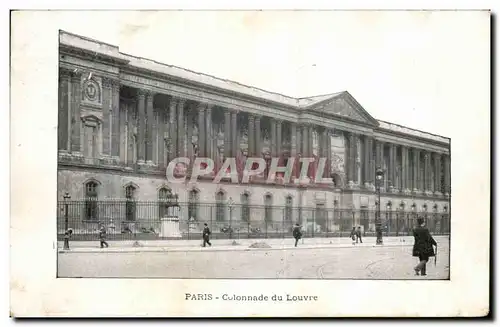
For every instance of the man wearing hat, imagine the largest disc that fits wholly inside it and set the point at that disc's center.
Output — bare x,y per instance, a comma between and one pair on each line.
297,234
423,247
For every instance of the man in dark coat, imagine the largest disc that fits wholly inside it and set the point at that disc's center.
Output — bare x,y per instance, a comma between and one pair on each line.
423,247
297,234
358,235
206,236
102,237
353,235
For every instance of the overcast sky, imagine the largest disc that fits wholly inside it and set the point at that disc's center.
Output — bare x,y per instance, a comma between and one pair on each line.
408,68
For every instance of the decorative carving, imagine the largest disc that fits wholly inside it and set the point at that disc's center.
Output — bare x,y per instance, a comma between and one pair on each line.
339,106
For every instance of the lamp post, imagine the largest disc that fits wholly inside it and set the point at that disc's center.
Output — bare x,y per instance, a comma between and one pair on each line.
379,176
388,217
66,198
230,204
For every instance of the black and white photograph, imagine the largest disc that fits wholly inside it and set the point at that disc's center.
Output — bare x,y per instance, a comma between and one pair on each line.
266,147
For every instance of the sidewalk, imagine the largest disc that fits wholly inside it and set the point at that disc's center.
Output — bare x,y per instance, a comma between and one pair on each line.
227,245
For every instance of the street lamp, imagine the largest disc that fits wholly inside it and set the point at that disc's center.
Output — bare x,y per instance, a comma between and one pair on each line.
66,198
388,217
230,203
379,177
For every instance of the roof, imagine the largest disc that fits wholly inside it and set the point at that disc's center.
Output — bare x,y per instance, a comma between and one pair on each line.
108,50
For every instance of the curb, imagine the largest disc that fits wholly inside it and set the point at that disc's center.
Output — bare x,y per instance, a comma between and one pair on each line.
212,249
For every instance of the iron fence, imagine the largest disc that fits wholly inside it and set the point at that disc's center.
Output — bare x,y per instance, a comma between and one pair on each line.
134,220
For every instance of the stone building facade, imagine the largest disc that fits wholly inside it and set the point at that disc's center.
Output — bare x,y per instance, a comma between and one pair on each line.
123,118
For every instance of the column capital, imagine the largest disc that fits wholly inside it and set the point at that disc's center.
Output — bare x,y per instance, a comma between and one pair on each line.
251,117
109,82
141,94
64,74
76,76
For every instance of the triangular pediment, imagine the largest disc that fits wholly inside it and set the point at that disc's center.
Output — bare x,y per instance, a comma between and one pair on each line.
344,105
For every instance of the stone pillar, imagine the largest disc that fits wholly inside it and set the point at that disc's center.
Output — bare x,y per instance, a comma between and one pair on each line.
107,102
76,95
329,151
180,128
251,135
173,128
149,127
350,162
279,148
305,142
447,175
392,167
227,133
189,132
208,131
310,129
298,141
378,154
367,161
273,137
404,169
235,138
416,170
437,173
117,121
122,137
141,128
427,172
258,145
64,113
293,139
201,130
354,163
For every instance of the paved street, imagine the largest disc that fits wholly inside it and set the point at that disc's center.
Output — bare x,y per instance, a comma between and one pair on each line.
386,262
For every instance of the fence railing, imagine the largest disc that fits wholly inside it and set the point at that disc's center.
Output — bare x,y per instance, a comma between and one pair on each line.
129,220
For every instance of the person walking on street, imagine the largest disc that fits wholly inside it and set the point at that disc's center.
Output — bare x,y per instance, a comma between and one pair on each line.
297,233
67,235
358,235
102,237
423,247
206,236
353,235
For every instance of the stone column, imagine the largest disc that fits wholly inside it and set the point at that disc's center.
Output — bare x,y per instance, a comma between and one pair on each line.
293,139
149,127
141,128
227,133
367,161
75,97
447,175
354,164
404,169
122,109
298,141
279,148
208,131
310,149
173,128
107,102
180,128
392,167
437,173
64,113
329,151
258,145
251,135
416,170
189,117
305,142
116,121
235,138
273,137
350,162
201,130
427,172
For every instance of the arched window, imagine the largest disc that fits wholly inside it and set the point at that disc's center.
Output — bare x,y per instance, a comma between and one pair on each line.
163,194
130,205
268,208
193,205
288,208
220,199
245,207
91,209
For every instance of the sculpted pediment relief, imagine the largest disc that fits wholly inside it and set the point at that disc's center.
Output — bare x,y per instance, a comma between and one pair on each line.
345,106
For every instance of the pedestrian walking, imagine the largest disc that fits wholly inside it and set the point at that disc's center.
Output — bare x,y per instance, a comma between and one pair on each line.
423,247
297,233
353,236
67,235
358,235
102,237
206,235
